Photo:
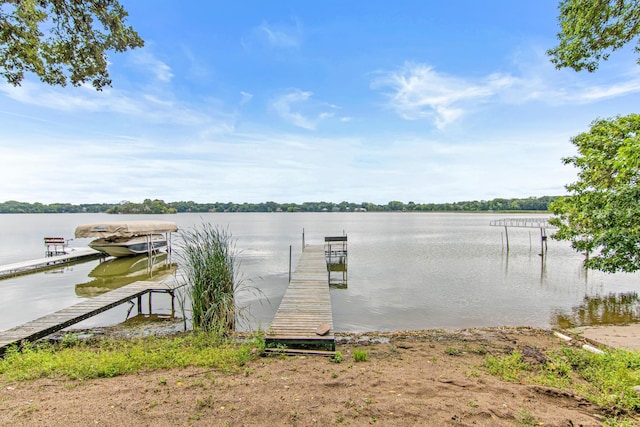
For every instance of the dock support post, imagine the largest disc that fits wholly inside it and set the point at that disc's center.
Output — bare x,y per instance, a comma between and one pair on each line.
139,304
543,241
289,263
506,233
173,304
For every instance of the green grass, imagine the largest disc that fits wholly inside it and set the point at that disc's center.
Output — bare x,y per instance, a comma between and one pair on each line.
526,419
360,355
509,368
111,357
452,351
604,379
611,376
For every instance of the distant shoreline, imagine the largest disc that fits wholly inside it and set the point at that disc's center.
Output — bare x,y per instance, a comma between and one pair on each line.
155,207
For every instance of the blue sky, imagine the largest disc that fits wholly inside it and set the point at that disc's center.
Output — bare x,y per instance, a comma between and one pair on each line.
296,101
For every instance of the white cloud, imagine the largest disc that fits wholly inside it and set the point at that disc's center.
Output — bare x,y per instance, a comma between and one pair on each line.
602,92
281,36
297,107
246,97
204,164
154,107
159,69
198,68
418,92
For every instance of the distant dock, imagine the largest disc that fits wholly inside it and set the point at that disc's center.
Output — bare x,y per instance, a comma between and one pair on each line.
70,256
541,223
523,222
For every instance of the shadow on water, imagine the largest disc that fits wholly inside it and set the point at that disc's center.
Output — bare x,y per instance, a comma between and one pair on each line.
115,273
601,310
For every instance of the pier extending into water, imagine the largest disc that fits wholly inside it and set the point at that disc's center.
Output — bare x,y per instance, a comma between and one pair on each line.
541,223
304,319
69,256
64,318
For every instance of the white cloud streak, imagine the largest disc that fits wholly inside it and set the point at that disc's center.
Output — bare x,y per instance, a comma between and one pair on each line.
246,97
156,67
281,36
144,105
297,107
418,91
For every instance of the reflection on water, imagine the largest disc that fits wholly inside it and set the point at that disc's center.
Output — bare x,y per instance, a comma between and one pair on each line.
602,310
337,273
406,270
117,272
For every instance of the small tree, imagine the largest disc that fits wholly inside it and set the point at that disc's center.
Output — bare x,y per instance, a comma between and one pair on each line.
601,215
62,40
592,29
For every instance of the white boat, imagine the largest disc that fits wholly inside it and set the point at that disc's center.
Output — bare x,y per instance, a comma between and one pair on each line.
127,246
127,238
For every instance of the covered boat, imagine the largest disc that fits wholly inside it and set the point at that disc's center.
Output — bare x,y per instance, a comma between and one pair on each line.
126,238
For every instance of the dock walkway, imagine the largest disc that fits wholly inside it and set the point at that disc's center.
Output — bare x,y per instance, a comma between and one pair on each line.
31,266
64,318
306,307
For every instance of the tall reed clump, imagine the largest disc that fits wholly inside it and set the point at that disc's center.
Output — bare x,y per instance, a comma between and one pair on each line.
209,272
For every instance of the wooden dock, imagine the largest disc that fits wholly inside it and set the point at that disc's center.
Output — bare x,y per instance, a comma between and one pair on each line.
305,310
72,255
64,318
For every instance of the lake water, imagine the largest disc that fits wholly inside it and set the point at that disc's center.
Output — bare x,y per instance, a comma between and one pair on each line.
405,271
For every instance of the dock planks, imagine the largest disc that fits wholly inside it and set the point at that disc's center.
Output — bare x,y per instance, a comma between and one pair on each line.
64,318
305,306
34,265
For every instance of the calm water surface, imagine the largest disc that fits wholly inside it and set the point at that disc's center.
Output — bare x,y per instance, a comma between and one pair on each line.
405,271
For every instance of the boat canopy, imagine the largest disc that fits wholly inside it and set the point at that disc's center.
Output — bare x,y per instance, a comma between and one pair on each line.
125,228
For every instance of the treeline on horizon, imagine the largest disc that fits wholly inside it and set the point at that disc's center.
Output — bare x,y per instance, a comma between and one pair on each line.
156,206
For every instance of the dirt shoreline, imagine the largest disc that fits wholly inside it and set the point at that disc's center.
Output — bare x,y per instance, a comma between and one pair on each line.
410,378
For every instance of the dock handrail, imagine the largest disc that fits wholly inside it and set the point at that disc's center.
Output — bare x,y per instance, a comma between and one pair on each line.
522,222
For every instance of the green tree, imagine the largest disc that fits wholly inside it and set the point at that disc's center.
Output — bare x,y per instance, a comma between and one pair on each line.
601,214
592,29
395,205
62,40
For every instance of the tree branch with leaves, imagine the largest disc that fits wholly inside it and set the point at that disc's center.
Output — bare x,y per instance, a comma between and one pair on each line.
62,41
592,29
601,214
